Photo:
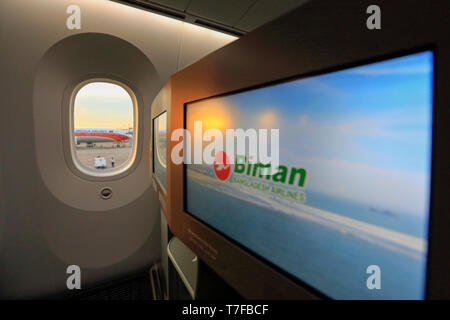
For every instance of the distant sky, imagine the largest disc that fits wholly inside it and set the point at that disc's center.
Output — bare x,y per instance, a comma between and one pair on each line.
362,133
103,105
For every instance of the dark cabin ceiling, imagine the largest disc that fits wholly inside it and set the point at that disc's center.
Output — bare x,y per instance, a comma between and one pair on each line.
233,16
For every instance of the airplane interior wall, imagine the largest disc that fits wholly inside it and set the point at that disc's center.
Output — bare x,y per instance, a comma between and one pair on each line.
51,217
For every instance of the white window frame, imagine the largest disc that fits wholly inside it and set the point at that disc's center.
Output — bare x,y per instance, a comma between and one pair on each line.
132,158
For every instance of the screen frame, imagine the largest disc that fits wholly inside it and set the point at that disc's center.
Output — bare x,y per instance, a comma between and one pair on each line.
320,37
288,80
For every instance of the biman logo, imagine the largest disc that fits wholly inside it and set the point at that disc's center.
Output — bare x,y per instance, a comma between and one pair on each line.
292,177
222,167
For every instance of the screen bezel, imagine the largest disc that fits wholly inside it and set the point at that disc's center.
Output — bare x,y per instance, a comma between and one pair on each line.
282,81
321,35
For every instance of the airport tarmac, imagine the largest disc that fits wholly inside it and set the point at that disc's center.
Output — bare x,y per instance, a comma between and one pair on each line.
86,155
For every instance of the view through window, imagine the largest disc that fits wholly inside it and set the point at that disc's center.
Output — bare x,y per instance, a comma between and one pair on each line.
103,128
159,141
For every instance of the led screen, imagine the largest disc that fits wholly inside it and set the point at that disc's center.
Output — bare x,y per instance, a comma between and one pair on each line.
347,213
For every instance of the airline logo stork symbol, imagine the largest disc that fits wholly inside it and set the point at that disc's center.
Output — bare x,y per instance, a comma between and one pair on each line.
222,167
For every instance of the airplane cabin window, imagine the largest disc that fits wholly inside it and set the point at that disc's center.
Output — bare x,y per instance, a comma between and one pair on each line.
103,128
159,142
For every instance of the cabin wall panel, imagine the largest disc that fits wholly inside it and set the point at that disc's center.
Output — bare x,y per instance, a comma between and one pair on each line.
41,233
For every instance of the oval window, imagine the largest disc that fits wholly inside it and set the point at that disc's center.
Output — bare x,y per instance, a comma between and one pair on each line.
103,128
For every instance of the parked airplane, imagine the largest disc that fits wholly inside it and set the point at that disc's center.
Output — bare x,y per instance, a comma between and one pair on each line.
91,135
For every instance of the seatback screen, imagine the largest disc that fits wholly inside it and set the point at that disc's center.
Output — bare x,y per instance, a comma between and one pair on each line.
346,209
